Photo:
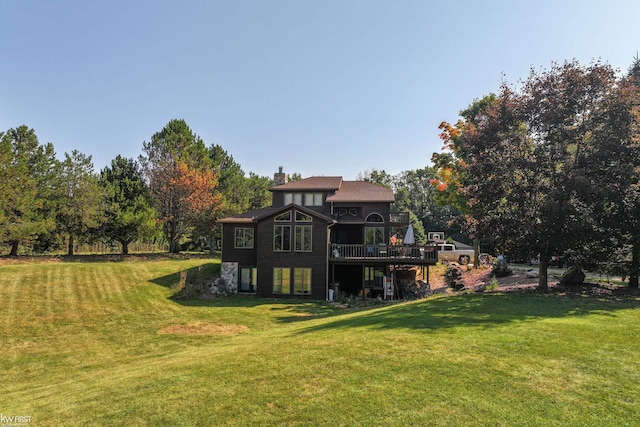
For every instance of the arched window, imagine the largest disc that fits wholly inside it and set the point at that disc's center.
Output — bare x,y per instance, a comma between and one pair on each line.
374,235
374,217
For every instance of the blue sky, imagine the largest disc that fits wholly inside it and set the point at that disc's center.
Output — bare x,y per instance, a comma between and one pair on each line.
318,87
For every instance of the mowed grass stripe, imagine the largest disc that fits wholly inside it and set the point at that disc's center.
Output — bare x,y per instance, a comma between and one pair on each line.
9,304
386,380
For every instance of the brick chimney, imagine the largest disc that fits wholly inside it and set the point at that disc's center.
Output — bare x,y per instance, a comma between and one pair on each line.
279,177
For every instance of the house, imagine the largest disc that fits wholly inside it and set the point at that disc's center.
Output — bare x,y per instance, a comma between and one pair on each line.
320,234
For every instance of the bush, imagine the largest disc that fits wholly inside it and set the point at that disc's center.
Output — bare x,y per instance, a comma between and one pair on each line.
452,277
189,288
500,269
572,276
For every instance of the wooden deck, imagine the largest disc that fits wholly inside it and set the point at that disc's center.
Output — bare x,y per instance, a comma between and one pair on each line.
384,254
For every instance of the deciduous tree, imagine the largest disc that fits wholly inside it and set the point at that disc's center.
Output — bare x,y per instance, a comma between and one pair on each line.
451,169
201,200
172,155
614,173
524,160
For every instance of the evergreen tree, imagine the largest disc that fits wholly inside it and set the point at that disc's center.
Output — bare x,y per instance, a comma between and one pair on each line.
129,215
80,198
27,176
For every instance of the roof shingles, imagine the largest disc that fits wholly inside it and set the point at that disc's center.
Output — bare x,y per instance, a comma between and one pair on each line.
362,191
343,191
319,183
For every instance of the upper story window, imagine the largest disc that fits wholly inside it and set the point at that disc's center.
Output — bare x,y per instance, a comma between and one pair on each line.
374,217
282,238
293,198
303,238
285,216
313,199
303,217
243,238
373,235
303,199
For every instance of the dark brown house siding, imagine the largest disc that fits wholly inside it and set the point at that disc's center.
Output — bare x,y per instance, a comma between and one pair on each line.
243,256
277,198
351,229
268,259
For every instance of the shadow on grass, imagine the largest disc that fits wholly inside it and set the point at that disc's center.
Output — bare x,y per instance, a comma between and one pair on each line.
473,310
468,310
202,272
284,310
293,309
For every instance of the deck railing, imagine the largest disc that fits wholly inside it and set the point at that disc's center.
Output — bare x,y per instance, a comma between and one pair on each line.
399,218
423,253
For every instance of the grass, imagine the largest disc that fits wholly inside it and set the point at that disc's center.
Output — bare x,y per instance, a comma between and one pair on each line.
102,343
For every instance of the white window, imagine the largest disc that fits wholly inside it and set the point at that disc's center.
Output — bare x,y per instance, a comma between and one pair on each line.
285,216
302,281
282,238
293,198
373,235
243,238
303,238
374,217
313,199
308,199
303,217
281,280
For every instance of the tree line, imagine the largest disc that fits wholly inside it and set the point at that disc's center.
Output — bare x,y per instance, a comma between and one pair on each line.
551,167
174,192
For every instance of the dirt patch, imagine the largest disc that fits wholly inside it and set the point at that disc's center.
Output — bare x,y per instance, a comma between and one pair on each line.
519,282
204,328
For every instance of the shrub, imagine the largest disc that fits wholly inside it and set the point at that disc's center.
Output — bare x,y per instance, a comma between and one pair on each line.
501,269
572,276
189,288
493,284
452,277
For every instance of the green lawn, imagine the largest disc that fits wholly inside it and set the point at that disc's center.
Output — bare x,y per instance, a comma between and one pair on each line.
102,343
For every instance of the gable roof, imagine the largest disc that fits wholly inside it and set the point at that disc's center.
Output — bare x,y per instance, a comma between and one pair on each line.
362,191
345,191
248,217
260,214
322,183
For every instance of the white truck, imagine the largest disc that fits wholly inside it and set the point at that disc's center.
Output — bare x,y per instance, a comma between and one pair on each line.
462,254
449,252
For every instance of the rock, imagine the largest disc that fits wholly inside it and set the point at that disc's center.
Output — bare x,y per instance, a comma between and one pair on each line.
573,276
415,289
479,287
219,287
532,274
